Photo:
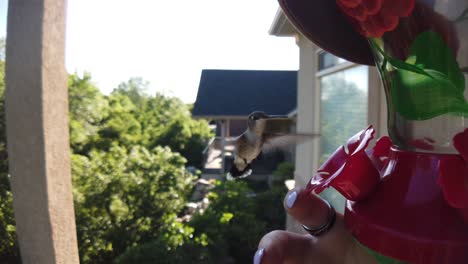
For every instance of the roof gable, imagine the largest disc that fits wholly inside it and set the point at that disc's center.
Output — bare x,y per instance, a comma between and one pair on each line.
237,93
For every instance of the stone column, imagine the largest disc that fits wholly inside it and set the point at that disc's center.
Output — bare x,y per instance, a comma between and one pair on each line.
308,119
308,112
37,131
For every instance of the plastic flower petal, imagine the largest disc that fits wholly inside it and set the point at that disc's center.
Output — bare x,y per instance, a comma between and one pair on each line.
349,169
460,142
453,179
372,18
453,176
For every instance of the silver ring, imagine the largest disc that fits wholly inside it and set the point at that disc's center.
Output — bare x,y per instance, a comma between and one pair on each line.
318,231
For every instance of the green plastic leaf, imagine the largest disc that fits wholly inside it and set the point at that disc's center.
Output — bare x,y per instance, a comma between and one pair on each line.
395,62
418,97
430,50
400,65
428,83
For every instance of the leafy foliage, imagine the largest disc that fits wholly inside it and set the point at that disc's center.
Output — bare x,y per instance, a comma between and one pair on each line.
130,183
130,117
127,186
177,245
284,171
123,196
88,108
167,122
228,231
9,251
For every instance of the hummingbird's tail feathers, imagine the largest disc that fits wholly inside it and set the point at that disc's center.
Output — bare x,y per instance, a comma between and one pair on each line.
235,173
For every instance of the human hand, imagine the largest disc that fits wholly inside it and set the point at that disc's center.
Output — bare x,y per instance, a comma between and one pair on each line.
334,246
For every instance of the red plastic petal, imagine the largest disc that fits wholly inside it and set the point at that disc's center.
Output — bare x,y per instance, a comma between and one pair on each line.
320,180
382,147
349,3
388,23
375,17
358,13
460,142
335,161
353,175
363,137
453,179
372,6
379,24
357,178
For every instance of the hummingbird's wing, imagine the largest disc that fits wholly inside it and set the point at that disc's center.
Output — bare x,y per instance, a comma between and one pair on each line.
278,125
282,141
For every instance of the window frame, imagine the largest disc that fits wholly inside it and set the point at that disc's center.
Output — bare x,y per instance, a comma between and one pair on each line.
375,95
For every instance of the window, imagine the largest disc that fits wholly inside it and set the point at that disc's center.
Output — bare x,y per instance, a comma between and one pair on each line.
343,107
328,60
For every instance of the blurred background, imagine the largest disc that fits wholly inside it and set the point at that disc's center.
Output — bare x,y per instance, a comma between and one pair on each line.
154,89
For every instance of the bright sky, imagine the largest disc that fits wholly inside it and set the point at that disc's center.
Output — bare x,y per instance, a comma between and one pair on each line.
168,43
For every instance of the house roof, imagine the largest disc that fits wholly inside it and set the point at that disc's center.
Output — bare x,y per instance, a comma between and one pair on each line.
281,26
237,93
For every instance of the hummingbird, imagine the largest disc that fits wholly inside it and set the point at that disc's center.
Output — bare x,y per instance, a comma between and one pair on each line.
264,133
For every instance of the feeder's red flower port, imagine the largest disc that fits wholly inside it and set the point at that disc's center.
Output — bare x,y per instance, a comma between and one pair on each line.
372,18
453,177
350,169
453,180
460,142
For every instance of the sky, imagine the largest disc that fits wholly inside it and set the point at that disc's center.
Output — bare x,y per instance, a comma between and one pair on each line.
168,43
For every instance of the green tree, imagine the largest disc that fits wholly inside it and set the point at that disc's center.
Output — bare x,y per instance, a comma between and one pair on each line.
123,196
166,121
162,121
121,125
177,245
88,108
9,251
176,128
128,182
136,89
228,231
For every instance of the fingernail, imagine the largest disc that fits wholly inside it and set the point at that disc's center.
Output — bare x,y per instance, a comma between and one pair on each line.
291,199
258,256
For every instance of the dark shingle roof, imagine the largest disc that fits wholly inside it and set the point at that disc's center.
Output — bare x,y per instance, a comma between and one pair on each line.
240,92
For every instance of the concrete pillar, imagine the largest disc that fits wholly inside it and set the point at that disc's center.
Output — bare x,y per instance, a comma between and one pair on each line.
308,119
37,131
308,112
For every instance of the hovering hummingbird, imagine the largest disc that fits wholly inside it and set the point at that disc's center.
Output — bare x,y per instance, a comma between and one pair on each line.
264,133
